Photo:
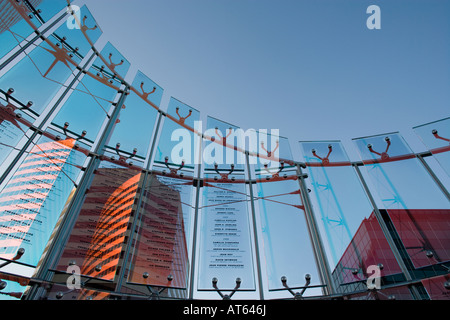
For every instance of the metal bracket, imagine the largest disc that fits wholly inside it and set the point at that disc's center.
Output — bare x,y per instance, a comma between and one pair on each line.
173,171
226,296
155,293
297,295
18,255
325,160
123,157
384,155
223,176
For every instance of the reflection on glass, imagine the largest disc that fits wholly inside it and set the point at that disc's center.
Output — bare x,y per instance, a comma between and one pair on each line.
436,287
87,107
98,237
225,246
225,240
15,286
39,76
281,213
160,250
415,205
15,21
436,136
14,122
134,128
33,199
60,292
178,142
352,237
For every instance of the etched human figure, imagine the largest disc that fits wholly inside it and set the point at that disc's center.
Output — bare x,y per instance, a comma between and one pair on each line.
437,136
112,66
324,160
146,94
270,153
182,119
85,28
60,53
384,155
224,138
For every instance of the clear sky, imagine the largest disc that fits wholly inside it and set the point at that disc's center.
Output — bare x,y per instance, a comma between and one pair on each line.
310,68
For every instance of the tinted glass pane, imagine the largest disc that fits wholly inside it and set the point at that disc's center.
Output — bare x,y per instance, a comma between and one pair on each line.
281,213
42,73
134,128
225,243
15,286
436,137
160,250
225,238
178,142
99,235
88,106
15,120
15,23
33,199
352,237
415,205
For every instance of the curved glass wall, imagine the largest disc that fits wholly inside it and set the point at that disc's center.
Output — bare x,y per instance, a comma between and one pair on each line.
352,236
436,137
19,19
103,195
289,260
416,208
225,241
35,83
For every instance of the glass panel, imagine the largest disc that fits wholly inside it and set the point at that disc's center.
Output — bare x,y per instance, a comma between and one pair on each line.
15,286
160,250
99,234
287,246
352,237
15,24
133,130
225,238
437,287
415,205
46,9
43,72
88,106
33,199
178,142
436,136
396,293
59,291
221,138
14,123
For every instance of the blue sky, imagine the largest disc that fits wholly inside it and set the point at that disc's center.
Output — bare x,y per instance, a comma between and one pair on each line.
311,69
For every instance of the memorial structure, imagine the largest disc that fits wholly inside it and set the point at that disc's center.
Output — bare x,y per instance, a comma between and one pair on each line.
104,194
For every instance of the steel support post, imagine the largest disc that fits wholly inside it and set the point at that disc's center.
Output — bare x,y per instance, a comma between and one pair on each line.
386,232
147,177
195,228
255,228
319,252
433,176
